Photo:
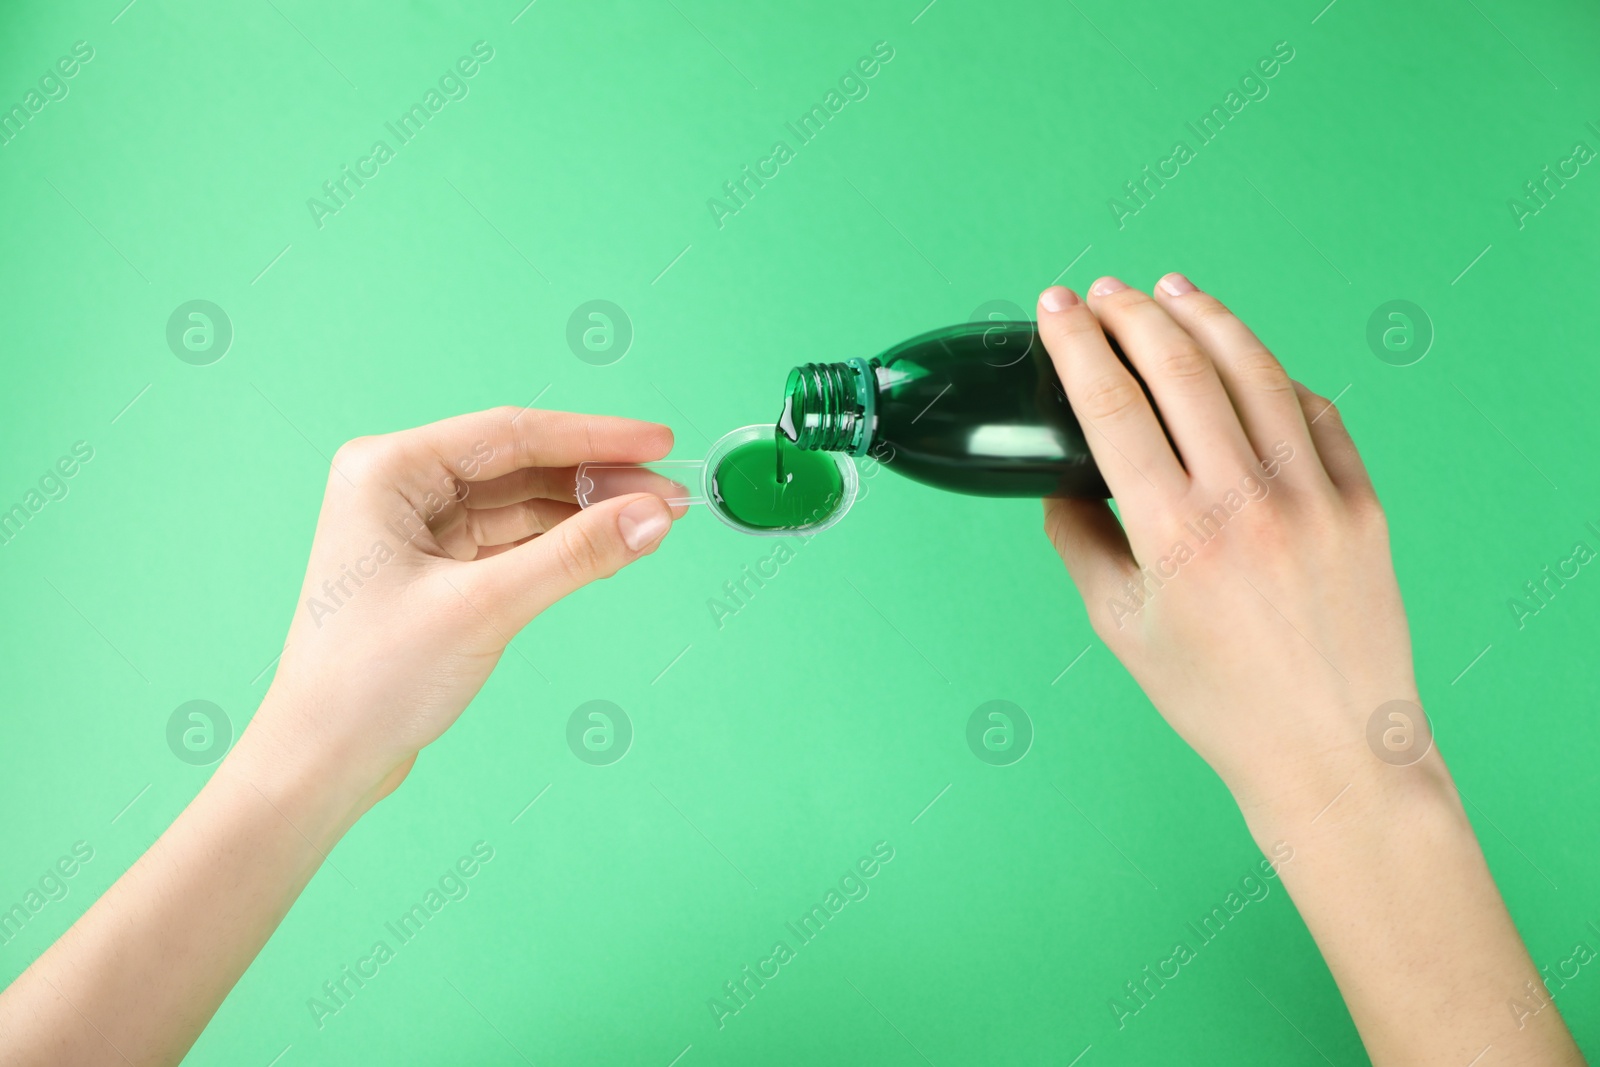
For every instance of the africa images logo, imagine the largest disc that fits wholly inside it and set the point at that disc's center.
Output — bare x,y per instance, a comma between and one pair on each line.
738,992
853,86
453,85
452,886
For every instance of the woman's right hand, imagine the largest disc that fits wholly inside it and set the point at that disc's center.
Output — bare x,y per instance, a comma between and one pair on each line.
1248,587
1249,590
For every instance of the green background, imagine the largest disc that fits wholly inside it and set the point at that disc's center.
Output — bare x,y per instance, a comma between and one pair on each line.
772,753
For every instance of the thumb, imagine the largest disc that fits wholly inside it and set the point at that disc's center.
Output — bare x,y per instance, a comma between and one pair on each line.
595,543
1094,547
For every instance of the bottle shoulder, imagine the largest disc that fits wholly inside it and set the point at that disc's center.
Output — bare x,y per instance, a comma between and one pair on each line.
955,341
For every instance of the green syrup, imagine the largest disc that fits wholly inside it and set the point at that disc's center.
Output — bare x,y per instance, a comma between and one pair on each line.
771,485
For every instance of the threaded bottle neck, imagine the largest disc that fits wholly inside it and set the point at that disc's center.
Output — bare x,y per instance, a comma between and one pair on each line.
829,406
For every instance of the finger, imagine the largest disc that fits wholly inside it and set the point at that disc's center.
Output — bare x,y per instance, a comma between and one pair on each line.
593,544
548,483
461,532
558,483
1334,446
599,482
1128,443
1093,545
498,526
1256,382
1180,375
489,444
488,551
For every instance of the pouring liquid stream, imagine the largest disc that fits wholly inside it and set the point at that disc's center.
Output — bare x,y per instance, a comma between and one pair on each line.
769,484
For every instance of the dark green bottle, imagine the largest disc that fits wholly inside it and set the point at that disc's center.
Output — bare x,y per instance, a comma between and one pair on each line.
975,408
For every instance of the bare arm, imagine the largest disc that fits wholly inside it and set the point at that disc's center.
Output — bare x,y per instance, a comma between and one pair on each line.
1248,588
139,976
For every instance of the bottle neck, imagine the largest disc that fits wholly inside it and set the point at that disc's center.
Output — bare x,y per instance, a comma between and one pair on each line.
830,407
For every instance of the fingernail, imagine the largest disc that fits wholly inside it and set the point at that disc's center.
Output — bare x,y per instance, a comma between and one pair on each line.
1058,298
642,523
1106,286
1176,284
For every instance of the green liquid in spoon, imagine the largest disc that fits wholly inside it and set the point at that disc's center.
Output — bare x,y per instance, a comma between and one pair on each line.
747,485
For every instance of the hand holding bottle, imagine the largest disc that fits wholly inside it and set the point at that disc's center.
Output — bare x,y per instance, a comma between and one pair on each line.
1248,588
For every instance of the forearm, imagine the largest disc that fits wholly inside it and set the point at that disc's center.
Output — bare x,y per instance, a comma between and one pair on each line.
141,973
1391,882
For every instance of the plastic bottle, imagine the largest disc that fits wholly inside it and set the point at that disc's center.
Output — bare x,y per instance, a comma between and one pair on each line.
975,408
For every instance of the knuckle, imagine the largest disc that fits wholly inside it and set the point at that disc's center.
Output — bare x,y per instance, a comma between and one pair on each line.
1311,403
579,556
1110,624
456,488
1184,363
1055,528
355,448
544,483
530,518
1124,299
1109,398
523,444
1253,521
1051,518
1209,310
1260,370
1367,512
1267,534
1320,410
359,455
1321,515
1101,626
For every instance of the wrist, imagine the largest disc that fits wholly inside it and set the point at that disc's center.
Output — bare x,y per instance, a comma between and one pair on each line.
1351,801
1386,872
317,785
1319,745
